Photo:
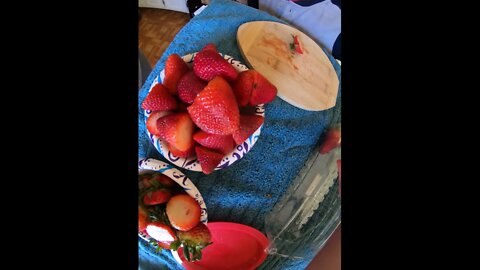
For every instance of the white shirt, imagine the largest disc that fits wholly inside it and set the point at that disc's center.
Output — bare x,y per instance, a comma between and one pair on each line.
320,21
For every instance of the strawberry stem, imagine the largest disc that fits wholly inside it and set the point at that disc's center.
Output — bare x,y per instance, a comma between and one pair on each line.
175,244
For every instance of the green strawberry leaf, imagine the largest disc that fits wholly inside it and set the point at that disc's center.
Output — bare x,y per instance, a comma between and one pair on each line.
292,46
186,254
199,256
175,245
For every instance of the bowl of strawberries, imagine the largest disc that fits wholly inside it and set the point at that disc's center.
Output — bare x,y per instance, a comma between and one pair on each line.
206,110
171,210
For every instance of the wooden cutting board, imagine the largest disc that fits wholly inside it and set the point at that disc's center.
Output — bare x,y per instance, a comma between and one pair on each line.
307,80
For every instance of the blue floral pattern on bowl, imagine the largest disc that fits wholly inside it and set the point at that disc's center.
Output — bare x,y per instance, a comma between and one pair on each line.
192,163
153,165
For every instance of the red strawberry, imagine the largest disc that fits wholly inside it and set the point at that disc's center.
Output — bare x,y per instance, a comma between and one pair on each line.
164,245
248,125
175,67
208,64
210,47
208,159
164,180
298,45
161,232
221,143
189,86
152,121
142,219
263,91
159,99
215,109
243,86
183,212
332,140
194,241
185,154
177,129
156,197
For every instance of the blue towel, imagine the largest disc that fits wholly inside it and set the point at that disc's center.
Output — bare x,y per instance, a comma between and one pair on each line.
246,191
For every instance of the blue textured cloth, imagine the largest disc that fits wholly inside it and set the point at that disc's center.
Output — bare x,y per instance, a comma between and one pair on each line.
246,191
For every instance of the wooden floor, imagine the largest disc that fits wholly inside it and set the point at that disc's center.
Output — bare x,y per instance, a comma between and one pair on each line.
157,28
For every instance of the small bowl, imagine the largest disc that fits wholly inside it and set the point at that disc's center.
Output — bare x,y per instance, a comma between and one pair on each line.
152,165
192,163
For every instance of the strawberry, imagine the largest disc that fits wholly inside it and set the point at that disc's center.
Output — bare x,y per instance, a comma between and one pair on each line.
159,246
215,109
221,143
248,125
175,67
210,47
157,197
189,86
263,91
243,86
164,180
332,139
208,159
183,212
160,232
177,129
208,64
298,45
152,121
194,241
185,154
164,245
142,219
159,99
251,88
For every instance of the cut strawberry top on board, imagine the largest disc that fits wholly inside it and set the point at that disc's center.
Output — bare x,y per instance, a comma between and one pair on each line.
159,99
208,159
160,232
175,68
248,125
177,129
215,109
220,143
189,86
152,121
208,64
297,44
183,212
